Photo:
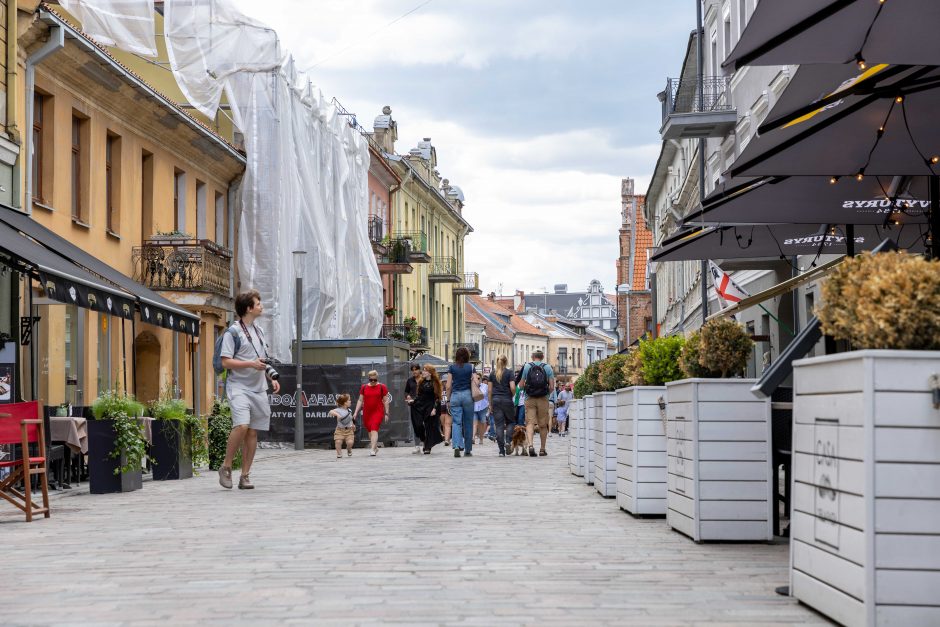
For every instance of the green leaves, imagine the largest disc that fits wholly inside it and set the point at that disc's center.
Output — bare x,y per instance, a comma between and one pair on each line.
718,350
659,360
129,444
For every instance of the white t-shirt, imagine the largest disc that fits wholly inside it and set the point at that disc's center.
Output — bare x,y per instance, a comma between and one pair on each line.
245,379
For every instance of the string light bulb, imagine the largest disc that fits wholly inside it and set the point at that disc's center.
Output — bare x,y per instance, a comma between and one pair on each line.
833,180
934,160
860,61
899,99
861,175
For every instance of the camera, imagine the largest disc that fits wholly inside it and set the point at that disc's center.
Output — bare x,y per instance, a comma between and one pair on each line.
269,370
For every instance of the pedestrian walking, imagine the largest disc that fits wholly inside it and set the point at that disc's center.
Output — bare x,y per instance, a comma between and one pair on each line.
480,407
345,426
459,380
427,406
519,399
373,402
411,393
447,421
246,386
537,382
500,391
565,396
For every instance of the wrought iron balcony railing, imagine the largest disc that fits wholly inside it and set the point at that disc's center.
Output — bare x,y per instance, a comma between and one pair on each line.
416,336
470,284
473,347
184,265
376,229
683,96
418,239
443,266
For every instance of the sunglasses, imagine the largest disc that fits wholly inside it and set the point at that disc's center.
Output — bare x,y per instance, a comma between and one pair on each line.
373,380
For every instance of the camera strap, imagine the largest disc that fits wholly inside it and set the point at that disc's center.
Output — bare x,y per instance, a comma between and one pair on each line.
251,341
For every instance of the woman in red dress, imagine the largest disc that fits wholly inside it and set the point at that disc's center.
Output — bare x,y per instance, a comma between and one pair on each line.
373,401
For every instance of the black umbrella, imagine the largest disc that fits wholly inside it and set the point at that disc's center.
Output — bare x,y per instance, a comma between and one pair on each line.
781,241
813,199
788,32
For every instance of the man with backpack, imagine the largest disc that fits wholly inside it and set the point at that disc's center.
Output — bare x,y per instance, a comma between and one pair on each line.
242,354
537,382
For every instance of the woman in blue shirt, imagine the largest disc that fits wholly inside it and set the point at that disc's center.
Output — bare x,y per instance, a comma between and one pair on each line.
461,401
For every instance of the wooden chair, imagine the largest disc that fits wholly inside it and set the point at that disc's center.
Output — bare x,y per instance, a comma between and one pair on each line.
22,424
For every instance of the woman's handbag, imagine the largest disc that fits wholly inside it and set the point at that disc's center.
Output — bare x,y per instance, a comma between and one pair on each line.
475,393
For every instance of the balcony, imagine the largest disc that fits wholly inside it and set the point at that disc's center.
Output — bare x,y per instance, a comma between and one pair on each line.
177,264
417,337
470,285
417,242
377,235
396,259
444,270
686,115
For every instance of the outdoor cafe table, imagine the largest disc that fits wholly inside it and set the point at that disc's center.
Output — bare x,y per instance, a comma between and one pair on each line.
73,430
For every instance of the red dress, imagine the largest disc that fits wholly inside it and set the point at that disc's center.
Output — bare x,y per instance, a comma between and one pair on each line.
373,406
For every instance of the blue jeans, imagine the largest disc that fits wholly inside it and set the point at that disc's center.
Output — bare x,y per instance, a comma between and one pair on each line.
461,410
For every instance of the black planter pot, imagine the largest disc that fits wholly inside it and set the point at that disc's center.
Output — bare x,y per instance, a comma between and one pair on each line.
101,477
171,451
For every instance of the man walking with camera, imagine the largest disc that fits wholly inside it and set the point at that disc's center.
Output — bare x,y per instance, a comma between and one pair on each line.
537,381
244,357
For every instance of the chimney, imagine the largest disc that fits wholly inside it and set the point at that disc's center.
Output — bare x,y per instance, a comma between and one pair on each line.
518,301
385,130
491,297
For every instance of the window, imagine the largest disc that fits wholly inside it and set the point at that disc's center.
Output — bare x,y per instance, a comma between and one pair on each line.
79,204
104,354
179,201
742,16
221,223
38,152
201,218
112,167
146,195
727,34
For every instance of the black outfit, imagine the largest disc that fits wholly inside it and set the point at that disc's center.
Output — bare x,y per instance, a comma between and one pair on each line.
430,428
411,389
504,412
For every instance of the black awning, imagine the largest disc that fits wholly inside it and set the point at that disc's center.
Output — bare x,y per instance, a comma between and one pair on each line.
61,279
154,309
779,241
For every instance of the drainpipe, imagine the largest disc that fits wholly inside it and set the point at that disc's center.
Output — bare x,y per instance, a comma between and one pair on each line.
12,129
233,188
55,43
700,70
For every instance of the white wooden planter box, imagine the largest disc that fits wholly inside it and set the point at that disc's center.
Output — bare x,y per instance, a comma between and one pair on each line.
605,443
865,532
575,446
587,436
719,472
641,451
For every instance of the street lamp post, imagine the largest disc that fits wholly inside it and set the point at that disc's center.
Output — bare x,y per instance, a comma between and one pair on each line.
299,256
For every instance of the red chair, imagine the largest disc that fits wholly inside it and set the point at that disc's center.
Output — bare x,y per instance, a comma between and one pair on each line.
21,423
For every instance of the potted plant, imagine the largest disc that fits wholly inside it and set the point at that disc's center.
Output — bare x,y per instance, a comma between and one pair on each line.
116,445
641,435
866,448
390,312
219,427
610,377
579,420
172,447
719,471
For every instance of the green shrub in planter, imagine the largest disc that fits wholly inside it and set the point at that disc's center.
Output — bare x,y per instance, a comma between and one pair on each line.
610,375
587,383
719,350
659,360
219,427
129,444
883,301
633,368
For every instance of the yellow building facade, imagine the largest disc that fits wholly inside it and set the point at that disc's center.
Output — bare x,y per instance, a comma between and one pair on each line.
427,213
124,173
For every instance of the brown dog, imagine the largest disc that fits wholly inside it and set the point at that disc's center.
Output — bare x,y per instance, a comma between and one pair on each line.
518,440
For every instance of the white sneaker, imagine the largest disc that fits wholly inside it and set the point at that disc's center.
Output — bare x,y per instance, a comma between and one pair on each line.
372,453
417,451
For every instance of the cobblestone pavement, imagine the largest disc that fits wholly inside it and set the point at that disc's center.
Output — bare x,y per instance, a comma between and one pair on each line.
395,538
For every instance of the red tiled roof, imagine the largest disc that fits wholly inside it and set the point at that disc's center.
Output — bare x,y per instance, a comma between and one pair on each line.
521,326
644,241
493,332
471,315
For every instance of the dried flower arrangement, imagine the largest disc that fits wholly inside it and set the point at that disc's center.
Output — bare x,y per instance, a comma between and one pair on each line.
883,301
718,350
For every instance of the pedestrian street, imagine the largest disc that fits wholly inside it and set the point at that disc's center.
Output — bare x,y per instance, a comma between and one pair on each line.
396,538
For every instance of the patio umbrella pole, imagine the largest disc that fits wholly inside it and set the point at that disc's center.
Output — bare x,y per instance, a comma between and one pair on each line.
934,250
850,240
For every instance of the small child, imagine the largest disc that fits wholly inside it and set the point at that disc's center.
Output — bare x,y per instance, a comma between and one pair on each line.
345,426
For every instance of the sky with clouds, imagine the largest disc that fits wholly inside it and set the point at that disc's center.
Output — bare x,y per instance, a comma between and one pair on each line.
537,109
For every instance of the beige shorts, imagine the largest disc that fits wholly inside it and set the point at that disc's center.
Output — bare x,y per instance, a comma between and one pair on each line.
250,408
537,412
345,434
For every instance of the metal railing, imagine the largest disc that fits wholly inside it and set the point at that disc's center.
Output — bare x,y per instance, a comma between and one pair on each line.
397,251
471,281
376,229
418,240
186,265
443,266
683,96
472,347
413,334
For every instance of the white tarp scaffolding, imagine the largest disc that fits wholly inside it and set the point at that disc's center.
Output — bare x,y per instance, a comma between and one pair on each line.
306,181
125,24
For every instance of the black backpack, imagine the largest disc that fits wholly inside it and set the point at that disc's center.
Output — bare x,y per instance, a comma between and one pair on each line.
536,381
